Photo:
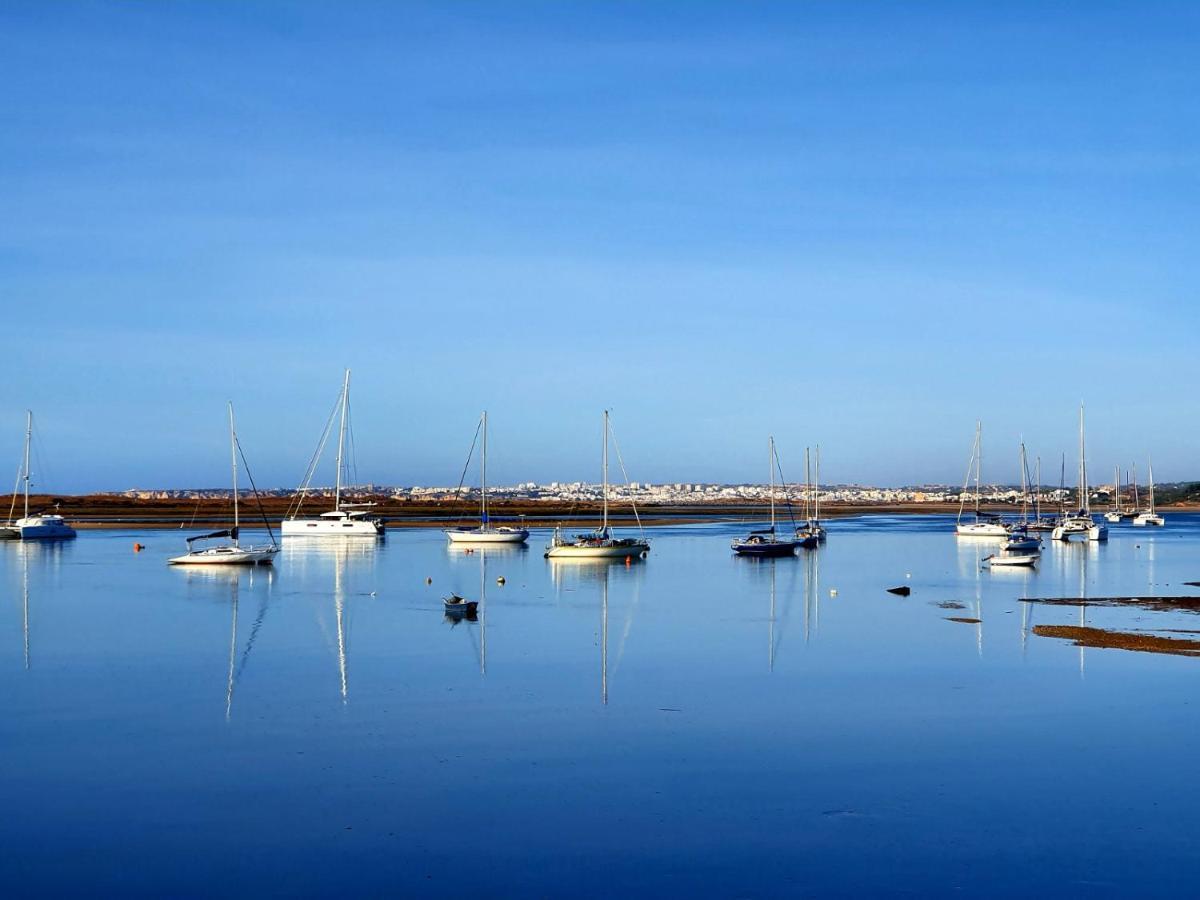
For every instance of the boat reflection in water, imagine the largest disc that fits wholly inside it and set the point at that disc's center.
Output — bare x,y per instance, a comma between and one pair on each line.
314,557
47,555
218,582
576,573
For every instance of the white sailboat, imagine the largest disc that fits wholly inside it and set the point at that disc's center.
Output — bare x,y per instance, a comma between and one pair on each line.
486,532
1020,540
765,541
600,543
1113,516
1149,516
231,553
345,519
40,526
1081,522
984,525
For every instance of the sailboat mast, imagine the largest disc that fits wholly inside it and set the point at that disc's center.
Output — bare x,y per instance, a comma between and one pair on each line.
1037,498
604,526
807,487
978,462
483,514
233,462
1024,486
817,488
1084,506
771,470
1150,462
28,439
337,488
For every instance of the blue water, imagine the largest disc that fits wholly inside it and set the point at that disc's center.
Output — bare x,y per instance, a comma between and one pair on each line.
694,724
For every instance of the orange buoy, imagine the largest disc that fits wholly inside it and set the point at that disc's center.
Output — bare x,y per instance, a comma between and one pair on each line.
137,548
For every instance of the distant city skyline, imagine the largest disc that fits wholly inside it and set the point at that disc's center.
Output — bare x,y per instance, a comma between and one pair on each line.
862,226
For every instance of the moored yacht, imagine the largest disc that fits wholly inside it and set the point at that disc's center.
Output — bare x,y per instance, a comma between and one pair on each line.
765,541
345,519
232,553
39,526
1149,516
485,532
601,543
983,525
1081,522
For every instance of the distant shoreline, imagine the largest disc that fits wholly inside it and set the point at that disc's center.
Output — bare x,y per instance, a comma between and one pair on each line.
109,511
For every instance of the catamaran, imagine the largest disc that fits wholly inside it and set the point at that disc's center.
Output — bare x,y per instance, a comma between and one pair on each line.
486,532
600,543
764,541
1081,522
40,526
1149,516
231,553
345,519
1115,514
989,526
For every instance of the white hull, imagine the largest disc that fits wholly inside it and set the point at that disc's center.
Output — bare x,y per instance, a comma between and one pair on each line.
331,527
1098,532
43,528
1023,559
981,529
488,536
1112,517
1143,519
226,556
573,551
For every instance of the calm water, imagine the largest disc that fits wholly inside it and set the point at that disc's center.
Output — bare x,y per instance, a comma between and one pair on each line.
693,724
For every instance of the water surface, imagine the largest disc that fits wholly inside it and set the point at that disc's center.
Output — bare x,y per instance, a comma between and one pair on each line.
694,723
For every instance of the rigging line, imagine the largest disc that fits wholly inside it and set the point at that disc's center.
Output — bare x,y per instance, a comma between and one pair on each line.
194,512
625,474
462,478
350,461
254,487
314,461
12,509
786,494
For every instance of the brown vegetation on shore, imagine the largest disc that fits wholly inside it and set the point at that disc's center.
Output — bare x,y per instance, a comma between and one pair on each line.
1082,636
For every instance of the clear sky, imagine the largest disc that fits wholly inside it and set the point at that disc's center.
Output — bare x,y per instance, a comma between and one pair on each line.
863,225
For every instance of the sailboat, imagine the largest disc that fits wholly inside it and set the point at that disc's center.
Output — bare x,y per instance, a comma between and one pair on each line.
1149,516
764,541
39,526
231,553
1081,522
988,526
811,533
1019,539
1115,514
345,519
486,533
600,543
1039,523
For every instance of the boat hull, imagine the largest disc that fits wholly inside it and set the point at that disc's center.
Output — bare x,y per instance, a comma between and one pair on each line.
1019,559
487,536
576,551
39,528
331,527
226,556
1144,519
766,548
979,529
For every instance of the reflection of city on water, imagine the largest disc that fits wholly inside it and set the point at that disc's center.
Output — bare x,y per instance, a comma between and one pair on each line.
42,556
584,575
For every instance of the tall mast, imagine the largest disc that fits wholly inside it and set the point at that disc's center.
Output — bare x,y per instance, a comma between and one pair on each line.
604,526
28,438
483,515
337,489
771,466
1037,498
1084,506
978,461
1136,502
807,487
1150,462
1116,489
1024,486
233,462
817,489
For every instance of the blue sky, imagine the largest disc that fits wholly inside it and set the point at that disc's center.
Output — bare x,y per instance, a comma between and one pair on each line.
863,225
